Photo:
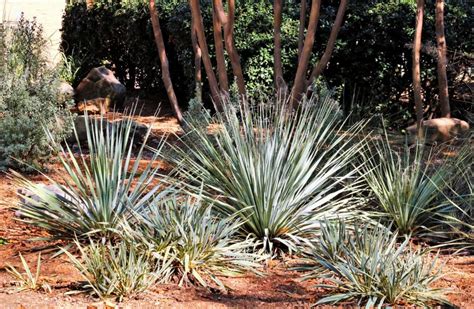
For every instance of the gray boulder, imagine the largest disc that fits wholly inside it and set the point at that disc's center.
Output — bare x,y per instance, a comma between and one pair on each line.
101,83
29,198
65,92
81,130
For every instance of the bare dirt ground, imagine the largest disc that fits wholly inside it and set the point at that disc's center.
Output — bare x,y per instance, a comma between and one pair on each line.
279,288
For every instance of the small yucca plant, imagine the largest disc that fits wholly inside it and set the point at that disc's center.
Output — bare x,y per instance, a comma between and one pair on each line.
28,280
277,169
118,271
201,244
370,268
100,189
408,190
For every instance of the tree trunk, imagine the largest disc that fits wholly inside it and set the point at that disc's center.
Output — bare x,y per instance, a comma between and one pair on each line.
165,73
89,4
302,27
221,67
416,67
211,77
197,65
442,61
299,85
229,43
277,66
321,65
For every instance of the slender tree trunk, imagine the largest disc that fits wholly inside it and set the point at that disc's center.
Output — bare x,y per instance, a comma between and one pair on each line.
442,61
221,14
302,27
277,65
165,73
416,67
197,64
221,67
229,43
321,65
89,4
198,25
299,84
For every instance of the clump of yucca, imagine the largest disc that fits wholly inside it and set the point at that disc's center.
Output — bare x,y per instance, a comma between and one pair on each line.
279,170
201,244
121,270
368,266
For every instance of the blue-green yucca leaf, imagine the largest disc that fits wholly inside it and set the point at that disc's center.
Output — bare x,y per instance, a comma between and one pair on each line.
97,190
280,169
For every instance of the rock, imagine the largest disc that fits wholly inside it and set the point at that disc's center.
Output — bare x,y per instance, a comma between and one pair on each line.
65,92
95,106
80,125
101,83
29,198
441,129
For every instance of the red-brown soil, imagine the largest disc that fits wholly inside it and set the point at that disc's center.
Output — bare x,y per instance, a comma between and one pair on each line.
279,288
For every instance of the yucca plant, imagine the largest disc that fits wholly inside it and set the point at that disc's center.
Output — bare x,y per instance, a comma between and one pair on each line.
117,271
279,170
201,244
370,268
28,280
407,188
100,189
459,198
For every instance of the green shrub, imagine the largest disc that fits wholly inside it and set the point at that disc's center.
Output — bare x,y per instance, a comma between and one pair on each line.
118,271
29,101
372,269
200,244
279,171
100,189
372,55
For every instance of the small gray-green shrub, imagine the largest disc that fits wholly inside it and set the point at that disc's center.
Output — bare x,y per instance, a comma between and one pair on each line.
368,266
29,100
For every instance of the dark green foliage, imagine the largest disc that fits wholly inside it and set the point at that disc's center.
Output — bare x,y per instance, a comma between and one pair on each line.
29,100
372,54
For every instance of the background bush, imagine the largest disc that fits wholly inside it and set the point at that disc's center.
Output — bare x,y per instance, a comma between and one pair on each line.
29,98
372,56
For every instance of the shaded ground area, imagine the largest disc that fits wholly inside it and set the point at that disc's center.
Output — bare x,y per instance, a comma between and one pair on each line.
279,288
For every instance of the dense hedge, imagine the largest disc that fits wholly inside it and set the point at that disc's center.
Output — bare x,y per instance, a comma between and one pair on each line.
372,56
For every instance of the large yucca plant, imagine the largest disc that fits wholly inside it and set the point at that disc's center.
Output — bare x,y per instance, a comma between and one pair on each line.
202,246
279,170
100,188
408,188
369,267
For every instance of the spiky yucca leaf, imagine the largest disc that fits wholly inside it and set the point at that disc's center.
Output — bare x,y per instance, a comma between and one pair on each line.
279,170
100,189
117,271
201,244
372,269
